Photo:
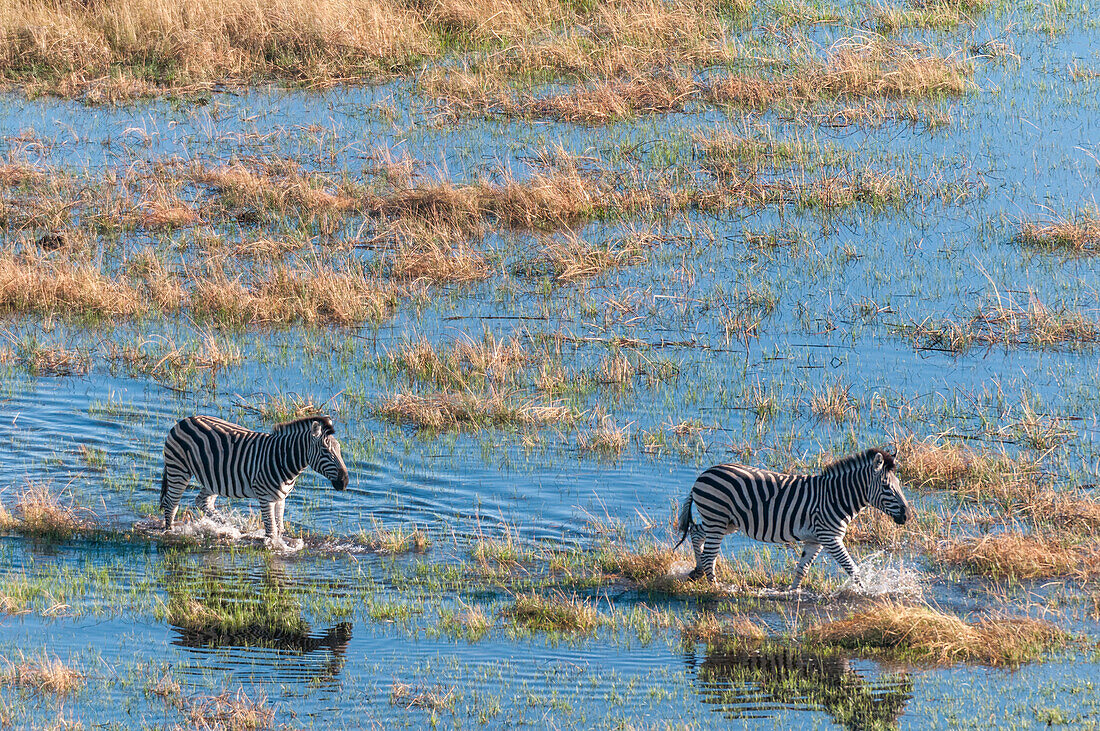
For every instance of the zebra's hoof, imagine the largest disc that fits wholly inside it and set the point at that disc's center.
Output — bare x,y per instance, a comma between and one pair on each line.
695,574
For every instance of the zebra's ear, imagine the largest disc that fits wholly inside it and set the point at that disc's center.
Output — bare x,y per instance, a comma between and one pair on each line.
317,429
879,461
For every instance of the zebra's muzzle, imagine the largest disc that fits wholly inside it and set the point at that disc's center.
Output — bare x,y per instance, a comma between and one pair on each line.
342,480
902,516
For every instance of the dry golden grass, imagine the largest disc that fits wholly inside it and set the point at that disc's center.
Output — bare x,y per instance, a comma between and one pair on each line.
926,634
432,252
445,411
1077,234
571,259
597,103
957,467
607,438
156,214
177,42
853,67
34,284
276,184
1015,556
394,540
15,174
834,402
163,358
647,567
43,675
39,511
229,712
313,294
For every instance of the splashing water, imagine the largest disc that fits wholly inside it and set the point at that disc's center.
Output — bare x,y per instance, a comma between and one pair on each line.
231,526
891,579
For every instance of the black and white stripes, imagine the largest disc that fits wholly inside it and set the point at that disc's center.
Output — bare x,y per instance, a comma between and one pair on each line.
229,460
783,508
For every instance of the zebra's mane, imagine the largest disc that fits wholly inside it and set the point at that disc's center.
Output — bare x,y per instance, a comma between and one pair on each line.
326,424
859,460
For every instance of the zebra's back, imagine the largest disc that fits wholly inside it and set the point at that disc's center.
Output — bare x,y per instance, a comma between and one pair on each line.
765,505
218,453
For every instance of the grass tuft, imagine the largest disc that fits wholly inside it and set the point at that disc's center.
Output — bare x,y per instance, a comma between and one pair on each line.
925,634
552,614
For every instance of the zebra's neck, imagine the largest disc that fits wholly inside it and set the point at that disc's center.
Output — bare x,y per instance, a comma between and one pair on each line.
846,494
285,455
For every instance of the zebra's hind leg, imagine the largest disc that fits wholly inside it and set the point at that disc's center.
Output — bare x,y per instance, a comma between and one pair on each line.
204,501
697,538
712,541
172,485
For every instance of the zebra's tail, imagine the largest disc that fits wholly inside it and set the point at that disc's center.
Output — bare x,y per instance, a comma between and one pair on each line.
163,486
684,524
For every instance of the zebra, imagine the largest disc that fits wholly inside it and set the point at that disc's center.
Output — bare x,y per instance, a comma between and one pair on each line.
777,507
230,460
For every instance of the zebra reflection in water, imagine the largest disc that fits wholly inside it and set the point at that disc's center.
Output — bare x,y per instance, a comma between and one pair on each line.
747,683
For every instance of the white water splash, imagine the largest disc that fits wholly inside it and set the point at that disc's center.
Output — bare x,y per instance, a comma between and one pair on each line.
891,579
230,526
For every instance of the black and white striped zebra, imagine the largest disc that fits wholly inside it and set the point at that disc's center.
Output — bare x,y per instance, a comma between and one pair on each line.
232,461
777,507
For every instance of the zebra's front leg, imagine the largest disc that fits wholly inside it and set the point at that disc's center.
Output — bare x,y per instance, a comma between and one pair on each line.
280,508
809,552
272,534
836,549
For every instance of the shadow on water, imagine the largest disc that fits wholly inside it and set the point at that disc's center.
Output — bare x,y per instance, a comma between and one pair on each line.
213,609
753,683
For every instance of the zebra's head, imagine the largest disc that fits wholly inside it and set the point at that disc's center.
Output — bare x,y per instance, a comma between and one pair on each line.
884,489
323,452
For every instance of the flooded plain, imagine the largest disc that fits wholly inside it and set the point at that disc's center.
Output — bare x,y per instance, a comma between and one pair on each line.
533,329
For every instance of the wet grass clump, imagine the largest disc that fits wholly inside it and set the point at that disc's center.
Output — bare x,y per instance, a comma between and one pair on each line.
711,628
394,541
230,711
436,698
452,411
1076,235
42,674
925,634
555,614
41,513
